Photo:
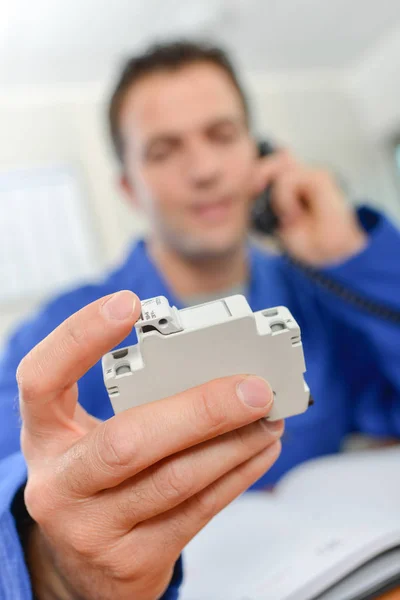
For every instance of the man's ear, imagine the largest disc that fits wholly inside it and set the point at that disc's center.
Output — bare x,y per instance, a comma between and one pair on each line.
128,189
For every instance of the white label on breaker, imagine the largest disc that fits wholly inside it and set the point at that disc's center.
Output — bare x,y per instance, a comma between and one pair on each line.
155,308
157,312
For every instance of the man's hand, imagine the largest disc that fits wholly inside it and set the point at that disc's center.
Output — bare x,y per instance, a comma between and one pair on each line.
316,225
116,502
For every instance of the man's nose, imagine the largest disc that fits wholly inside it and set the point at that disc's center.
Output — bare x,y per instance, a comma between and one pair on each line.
203,165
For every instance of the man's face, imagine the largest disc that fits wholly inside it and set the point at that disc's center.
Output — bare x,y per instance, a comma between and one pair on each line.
189,158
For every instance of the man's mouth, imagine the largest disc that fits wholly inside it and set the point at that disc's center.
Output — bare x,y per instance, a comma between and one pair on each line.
213,212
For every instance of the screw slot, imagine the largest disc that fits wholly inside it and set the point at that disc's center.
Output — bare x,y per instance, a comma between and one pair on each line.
270,312
278,326
122,369
120,353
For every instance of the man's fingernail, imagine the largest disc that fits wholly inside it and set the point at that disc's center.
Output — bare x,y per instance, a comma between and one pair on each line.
120,306
255,392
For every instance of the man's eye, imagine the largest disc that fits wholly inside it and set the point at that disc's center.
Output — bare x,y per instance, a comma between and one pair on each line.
159,155
225,135
161,152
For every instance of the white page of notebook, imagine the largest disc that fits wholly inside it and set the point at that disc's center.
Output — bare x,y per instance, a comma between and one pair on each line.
323,517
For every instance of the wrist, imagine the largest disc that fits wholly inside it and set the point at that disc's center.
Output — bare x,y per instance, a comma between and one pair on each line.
349,242
353,243
49,583
46,581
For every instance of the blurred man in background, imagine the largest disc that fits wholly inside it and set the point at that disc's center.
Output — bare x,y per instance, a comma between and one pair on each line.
180,125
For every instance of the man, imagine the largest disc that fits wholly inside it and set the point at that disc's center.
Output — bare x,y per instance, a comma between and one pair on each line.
115,503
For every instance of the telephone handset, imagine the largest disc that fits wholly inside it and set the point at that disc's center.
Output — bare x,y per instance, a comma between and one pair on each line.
263,218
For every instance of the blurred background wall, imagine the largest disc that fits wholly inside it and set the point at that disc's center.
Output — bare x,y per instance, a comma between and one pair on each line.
323,76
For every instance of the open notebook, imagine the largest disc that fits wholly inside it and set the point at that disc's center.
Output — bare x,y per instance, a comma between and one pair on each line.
329,531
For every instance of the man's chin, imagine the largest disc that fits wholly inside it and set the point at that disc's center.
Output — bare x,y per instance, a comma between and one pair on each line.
207,248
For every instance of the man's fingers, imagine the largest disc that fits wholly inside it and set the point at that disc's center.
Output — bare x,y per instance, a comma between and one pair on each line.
174,530
164,486
65,355
140,437
301,190
288,197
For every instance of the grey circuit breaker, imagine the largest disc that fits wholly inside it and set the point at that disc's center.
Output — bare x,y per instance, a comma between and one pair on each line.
180,349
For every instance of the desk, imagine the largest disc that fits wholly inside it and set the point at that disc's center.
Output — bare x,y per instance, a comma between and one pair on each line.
393,595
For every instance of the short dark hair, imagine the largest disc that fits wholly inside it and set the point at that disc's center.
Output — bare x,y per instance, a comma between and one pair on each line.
169,56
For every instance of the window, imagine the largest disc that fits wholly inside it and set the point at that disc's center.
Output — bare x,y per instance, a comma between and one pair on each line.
397,155
46,242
